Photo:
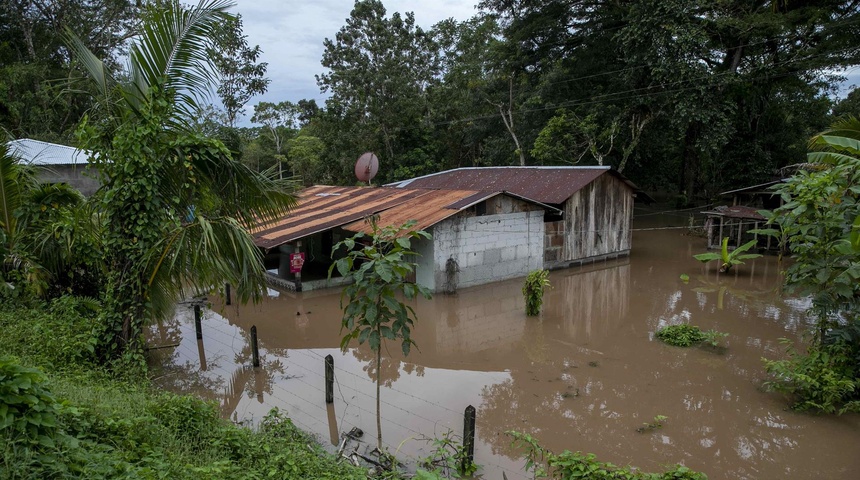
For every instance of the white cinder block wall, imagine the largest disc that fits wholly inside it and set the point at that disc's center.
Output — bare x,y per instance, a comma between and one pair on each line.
487,248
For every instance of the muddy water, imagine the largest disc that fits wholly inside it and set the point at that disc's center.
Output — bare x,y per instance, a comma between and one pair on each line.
583,376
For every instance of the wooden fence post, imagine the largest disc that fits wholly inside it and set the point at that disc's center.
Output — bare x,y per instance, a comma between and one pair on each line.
197,326
468,438
329,379
255,349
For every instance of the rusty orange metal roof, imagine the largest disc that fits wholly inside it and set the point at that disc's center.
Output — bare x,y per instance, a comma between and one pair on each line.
426,210
322,208
552,185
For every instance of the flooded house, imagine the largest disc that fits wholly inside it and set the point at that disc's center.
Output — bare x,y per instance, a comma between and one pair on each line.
478,236
595,205
56,163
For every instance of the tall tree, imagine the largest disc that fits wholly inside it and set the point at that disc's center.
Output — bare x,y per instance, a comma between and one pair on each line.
242,76
41,95
177,203
379,71
279,120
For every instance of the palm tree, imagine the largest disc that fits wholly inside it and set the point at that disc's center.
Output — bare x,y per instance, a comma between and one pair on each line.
175,203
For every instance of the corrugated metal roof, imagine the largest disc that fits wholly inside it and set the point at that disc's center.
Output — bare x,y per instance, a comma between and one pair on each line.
426,210
36,152
552,185
322,208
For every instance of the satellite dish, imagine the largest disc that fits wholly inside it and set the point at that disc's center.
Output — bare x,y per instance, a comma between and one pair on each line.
366,167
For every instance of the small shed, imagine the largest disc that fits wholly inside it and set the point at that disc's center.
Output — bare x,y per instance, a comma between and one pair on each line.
736,223
478,236
57,163
596,205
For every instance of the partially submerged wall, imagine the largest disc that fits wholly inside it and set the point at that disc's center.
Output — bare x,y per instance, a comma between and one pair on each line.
598,220
488,248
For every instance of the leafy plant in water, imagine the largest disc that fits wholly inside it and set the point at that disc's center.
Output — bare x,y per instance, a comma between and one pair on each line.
824,379
533,290
713,337
681,335
651,426
729,258
379,270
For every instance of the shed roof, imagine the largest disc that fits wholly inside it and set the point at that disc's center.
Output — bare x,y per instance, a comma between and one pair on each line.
322,208
553,185
36,152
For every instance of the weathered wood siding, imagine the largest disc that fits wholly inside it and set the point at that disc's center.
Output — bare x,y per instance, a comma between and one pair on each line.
598,219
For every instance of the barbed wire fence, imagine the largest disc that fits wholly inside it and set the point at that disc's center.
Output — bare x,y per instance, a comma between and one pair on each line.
312,414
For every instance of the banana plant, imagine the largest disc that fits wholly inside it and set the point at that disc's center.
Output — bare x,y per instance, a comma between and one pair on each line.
729,258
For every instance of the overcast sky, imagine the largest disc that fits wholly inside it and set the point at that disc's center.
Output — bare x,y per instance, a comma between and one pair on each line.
291,33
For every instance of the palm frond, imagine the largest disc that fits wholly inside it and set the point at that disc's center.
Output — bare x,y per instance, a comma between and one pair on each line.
16,180
171,52
202,254
95,68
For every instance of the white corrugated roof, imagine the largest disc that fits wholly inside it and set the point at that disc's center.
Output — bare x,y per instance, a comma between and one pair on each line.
36,152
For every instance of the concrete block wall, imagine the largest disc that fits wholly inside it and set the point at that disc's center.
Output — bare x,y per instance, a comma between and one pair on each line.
488,248
78,176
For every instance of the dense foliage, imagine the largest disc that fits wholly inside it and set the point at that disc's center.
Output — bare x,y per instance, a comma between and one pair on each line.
75,421
820,220
686,96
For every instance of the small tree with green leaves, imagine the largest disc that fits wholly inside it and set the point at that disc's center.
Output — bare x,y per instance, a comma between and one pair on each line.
379,267
533,289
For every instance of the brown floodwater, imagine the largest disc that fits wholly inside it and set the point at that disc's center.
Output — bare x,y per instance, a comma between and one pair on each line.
585,375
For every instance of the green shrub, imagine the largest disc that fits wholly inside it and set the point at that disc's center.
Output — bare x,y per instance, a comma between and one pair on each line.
533,290
825,379
681,335
60,334
28,412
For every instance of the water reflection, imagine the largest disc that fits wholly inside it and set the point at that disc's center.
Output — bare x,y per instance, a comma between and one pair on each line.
583,376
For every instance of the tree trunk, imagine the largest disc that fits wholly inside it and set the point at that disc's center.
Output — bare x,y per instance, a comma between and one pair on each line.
690,162
378,411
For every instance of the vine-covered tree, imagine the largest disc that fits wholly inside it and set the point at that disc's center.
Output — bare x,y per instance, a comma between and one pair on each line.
177,203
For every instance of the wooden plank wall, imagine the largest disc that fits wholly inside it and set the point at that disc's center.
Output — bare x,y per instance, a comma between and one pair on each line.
598,219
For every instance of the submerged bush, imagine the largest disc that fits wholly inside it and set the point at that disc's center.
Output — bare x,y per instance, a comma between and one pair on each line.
682,335
533,289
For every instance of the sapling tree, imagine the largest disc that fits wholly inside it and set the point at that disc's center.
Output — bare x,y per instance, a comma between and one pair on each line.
379,267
